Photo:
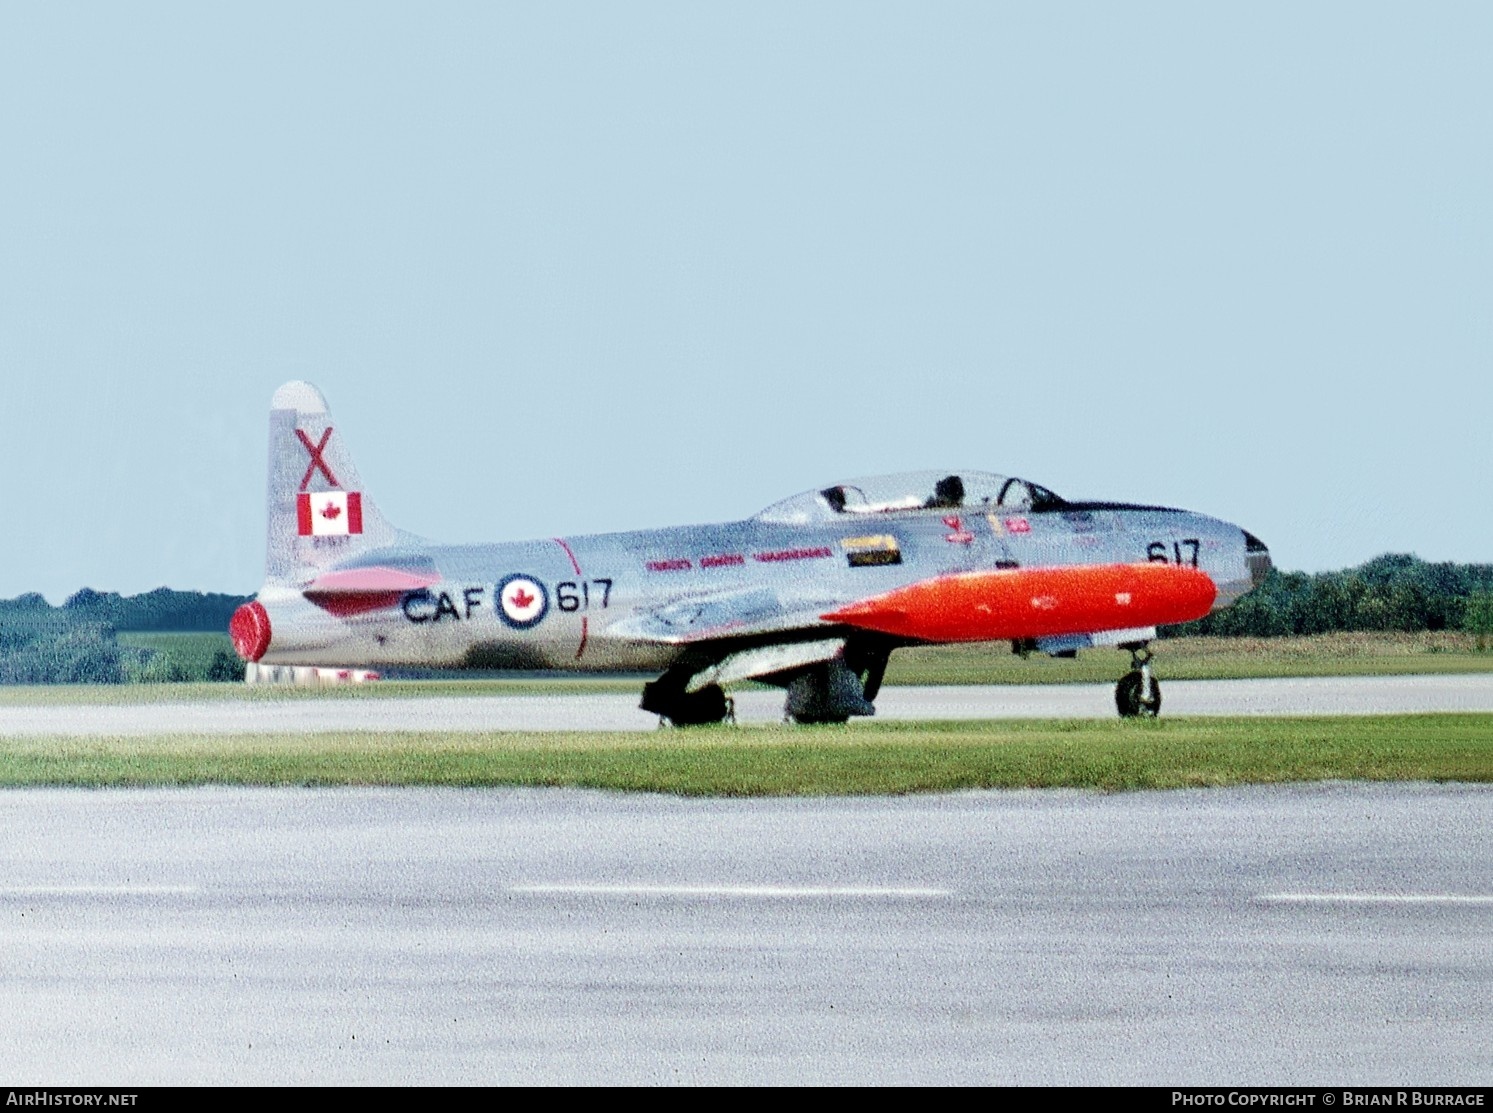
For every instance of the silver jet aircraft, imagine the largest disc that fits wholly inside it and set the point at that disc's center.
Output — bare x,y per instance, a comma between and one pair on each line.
812,594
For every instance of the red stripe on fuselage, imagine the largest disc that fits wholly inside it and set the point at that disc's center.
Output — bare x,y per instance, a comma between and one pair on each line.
1035,602
575,564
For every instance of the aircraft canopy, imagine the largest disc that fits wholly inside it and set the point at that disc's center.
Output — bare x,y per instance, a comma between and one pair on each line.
910,492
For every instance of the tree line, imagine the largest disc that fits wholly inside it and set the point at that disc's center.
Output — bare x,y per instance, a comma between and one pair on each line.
158,610
77,643
1395,592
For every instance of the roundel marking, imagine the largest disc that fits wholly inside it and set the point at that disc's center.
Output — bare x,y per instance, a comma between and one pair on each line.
522,601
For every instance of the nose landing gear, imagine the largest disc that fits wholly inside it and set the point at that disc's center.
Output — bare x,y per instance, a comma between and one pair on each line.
1138,695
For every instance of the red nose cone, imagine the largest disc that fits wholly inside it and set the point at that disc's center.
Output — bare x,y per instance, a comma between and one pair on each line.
250,630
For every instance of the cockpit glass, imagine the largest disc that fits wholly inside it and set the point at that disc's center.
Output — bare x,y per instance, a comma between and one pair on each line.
1016,494
907,492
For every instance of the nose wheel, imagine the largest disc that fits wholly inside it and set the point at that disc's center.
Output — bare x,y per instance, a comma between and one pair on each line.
1138,695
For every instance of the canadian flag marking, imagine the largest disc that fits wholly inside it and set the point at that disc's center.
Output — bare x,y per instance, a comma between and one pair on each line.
329,513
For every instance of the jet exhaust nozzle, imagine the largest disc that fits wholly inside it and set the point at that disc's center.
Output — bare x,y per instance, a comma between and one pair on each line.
250,630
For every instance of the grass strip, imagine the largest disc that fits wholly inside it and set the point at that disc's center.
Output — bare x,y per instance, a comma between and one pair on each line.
861,759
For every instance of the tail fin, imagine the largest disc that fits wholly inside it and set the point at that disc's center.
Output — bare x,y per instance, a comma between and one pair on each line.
319,514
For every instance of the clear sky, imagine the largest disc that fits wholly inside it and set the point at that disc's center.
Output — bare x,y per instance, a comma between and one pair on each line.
571,268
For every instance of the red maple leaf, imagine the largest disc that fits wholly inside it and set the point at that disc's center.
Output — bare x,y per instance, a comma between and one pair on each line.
331,511
521,599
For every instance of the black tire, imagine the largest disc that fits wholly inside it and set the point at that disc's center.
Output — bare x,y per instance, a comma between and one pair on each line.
1128,697
698,709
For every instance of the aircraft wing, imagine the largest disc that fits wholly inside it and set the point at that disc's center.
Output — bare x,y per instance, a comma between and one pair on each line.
752,631
729,615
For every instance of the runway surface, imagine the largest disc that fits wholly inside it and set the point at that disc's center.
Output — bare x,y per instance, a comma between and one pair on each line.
1320,935
614,711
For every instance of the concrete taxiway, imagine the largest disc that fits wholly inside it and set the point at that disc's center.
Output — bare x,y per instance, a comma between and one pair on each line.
1319,935
617,711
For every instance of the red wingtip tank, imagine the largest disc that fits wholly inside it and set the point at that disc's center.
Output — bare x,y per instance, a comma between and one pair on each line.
1034,602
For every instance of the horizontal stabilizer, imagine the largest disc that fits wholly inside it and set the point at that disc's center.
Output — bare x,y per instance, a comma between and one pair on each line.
360,590
1035,602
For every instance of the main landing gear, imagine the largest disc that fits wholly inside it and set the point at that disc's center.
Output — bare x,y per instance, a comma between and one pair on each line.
830,691
1138,695
668,698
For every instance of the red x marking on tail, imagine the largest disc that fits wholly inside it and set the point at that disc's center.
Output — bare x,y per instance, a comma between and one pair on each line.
317,461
